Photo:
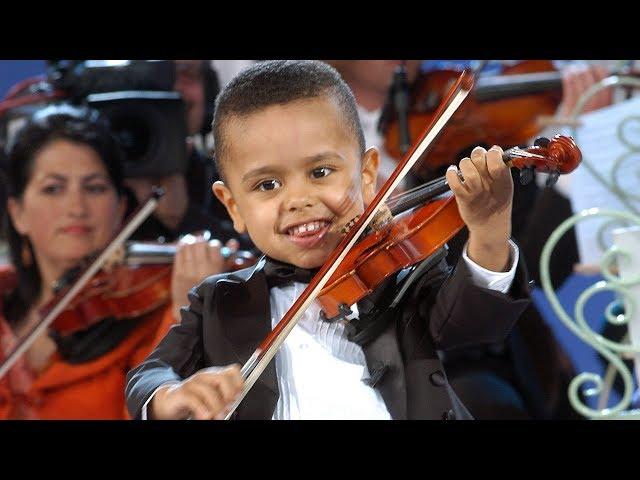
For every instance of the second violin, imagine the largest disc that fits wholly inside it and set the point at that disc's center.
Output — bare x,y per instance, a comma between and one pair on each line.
137,284
501,110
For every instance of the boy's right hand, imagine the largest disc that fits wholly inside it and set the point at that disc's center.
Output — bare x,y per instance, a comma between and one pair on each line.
205,395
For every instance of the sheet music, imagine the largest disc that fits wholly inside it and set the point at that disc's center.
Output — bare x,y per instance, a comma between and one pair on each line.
601,146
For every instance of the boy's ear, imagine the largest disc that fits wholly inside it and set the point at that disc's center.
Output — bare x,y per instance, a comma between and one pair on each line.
369,174
222,193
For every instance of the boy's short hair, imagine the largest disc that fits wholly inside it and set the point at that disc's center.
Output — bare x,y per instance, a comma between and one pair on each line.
278,82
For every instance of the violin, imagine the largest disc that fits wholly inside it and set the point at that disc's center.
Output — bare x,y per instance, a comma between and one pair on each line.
501,110
345,276
419,225
137,284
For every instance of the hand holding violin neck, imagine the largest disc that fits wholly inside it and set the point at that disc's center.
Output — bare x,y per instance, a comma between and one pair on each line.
484,198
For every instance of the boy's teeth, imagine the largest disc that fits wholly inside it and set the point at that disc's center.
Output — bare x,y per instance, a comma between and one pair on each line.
307,227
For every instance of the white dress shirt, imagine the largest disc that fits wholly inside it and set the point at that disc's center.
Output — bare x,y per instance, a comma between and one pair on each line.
320,372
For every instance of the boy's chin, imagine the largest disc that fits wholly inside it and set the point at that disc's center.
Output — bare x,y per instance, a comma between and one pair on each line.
315,260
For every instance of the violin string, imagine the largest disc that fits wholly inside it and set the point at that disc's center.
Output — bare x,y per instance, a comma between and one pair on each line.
408,194
523,153
427,192
414,193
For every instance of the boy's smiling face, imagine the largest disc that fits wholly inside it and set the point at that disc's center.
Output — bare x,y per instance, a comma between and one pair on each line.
294,178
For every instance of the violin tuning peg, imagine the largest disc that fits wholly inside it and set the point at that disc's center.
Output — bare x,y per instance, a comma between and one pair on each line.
526,175
542,142
552,179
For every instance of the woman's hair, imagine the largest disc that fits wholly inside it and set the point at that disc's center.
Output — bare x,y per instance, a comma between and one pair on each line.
58,122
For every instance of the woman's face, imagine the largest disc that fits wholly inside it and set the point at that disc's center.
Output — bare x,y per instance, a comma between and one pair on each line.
69,208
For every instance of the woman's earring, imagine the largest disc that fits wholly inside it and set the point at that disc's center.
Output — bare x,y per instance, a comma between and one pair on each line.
27,257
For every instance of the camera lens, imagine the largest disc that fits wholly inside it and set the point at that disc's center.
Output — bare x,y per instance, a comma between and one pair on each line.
133,135
151,130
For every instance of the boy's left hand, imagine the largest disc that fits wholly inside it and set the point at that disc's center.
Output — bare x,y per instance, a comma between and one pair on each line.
195,260
485,199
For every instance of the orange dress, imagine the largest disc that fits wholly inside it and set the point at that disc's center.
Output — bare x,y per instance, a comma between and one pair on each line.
91,390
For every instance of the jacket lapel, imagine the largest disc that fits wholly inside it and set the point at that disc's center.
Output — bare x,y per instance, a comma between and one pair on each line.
383,357
382,354
244,311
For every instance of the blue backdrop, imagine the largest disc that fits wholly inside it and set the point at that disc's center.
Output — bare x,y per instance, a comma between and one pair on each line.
12,71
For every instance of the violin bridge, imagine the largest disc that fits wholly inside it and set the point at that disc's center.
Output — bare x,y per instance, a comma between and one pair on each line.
382,216
116,259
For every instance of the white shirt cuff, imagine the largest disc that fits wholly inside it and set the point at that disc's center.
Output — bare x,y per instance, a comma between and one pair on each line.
144,407
498,281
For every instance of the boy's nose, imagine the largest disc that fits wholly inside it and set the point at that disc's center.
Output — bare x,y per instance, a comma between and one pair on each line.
298,198
299,203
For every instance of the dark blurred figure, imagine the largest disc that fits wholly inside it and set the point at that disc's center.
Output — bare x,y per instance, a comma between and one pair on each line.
188,204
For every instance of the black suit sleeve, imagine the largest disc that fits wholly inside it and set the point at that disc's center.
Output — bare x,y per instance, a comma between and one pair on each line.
179,355
463,314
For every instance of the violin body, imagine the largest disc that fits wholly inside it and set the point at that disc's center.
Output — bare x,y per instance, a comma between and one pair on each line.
410,238
124,293
503,110
131,289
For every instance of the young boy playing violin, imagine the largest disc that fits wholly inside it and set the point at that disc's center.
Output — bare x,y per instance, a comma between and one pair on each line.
292,158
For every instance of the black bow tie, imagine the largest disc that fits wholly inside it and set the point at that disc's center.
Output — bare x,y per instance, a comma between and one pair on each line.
280,273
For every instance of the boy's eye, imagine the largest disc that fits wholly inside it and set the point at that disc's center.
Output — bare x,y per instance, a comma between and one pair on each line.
321,172
269,185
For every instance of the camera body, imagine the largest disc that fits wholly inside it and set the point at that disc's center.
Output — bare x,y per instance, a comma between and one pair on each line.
144,112
137,98
150,128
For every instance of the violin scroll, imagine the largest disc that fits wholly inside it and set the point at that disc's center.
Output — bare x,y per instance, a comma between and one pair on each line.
557,156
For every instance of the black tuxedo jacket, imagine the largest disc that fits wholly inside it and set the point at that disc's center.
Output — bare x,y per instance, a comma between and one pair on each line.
229,316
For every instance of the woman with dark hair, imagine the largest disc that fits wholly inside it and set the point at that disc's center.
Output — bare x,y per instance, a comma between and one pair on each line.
65,202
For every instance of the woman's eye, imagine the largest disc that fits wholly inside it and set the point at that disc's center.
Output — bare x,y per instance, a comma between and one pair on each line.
52,189
97,188
269,185
321,172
